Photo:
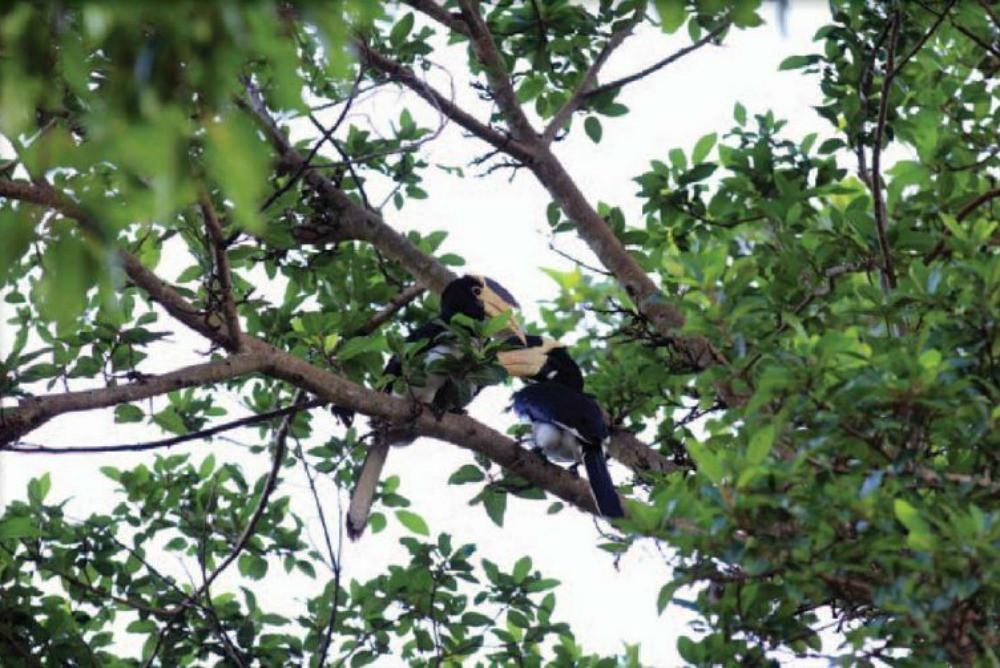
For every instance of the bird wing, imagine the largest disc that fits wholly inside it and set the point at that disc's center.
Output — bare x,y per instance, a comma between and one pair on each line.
427,332
565,408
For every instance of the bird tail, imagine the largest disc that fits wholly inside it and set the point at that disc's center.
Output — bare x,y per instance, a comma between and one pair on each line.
364,488
601,485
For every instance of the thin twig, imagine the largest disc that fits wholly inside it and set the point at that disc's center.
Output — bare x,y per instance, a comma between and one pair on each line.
963,213
165,442
888,272
223,271
994,17
578,262
396,304
641,74
335,559
280,446
590,77
923,40
327,135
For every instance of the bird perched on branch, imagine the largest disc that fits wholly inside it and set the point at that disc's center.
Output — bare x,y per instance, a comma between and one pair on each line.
567,425
475,297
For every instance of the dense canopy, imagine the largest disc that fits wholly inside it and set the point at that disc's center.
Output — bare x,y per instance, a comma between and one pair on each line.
796,343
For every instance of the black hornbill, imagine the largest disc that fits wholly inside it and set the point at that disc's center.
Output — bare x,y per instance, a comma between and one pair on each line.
476,297
567,425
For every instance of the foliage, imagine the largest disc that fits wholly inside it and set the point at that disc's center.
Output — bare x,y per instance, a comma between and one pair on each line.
833,464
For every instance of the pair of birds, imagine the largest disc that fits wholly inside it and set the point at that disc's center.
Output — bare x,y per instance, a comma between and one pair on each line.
566,424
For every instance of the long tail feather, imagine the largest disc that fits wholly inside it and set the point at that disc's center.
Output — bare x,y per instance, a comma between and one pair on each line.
364,488
601,485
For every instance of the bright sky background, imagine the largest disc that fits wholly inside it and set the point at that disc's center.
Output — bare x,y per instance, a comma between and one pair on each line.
500,229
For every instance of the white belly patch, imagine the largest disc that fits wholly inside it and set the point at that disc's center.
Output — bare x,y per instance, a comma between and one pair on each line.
558,444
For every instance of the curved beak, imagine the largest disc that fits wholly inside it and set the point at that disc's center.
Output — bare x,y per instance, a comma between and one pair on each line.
494,305
524,362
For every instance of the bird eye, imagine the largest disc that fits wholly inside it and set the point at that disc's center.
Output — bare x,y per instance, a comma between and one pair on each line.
477,291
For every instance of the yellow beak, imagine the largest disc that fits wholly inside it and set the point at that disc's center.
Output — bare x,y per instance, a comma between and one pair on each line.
494,305
524,362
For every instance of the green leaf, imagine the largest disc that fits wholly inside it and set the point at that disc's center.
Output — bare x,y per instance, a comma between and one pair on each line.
496,505
761,442
413,522
240,163
400,31
19,527
70,270
795,62
207,466
128,413
708,463
672,14
530,88
702,147
740,113
466,474
521,569
252,566
592,126
666,595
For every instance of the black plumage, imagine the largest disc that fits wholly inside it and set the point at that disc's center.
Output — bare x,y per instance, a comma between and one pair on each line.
475,297
567,424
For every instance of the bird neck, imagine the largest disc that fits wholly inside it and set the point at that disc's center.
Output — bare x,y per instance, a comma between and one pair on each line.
567,373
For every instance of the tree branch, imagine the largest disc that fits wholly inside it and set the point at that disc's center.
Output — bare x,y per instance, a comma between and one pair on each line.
564,114
496,72
353,220
441,15
962,214
923,40
248,421
280,447
327,135
888,271
405,76
33,412
655,67
395,305
223,272
636,455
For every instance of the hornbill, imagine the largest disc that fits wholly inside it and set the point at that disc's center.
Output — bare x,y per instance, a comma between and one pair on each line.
475,297
567,425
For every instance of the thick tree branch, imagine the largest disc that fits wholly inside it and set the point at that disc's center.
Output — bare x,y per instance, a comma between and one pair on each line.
664,317
441,15
496,72
353,221
562,116
655,67
223,272
636,455
460,430
405,76
33,412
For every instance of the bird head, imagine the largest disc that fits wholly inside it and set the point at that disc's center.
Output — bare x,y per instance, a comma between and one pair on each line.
542,359
479,297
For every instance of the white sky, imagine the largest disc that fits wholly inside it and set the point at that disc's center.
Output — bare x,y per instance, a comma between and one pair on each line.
500,229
